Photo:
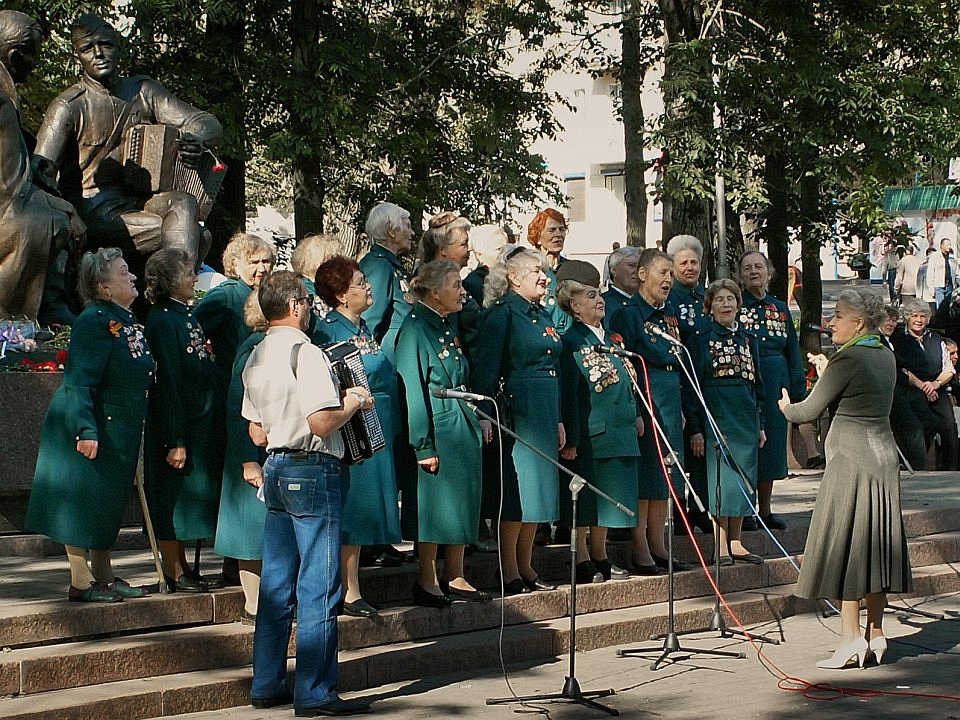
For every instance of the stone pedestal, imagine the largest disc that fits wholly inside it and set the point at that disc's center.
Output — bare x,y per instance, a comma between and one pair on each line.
24,398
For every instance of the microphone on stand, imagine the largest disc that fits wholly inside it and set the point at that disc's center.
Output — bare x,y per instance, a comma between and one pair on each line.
610,350
813,327
654,329
458,395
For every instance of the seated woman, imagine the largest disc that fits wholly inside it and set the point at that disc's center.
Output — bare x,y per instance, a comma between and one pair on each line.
444,433
600,413
181,475
727,365
370,514
90,440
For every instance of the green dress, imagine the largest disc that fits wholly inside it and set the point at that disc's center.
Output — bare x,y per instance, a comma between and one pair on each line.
220,313
664,388
727,367
73,500
242,514
429,356
388,284
599,412
519,343
183,502
370,514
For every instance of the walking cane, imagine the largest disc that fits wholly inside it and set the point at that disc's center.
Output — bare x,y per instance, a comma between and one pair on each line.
138,481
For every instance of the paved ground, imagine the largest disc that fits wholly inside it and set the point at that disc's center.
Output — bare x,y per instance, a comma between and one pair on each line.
923,658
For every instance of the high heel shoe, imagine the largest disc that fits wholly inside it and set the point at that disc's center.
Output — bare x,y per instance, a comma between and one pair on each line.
877,648
853,651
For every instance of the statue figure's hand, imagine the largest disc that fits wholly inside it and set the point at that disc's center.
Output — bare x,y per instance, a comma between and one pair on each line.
190,150
78,229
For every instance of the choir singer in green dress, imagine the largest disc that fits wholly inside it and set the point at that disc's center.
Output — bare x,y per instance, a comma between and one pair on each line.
519,350
370,514
90,439
181,474
600,413
444,433
727,365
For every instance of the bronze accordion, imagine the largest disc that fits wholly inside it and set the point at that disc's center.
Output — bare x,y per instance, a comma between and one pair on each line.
362,435
152,164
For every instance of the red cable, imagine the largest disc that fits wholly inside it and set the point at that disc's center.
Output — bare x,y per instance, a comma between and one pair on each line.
811,691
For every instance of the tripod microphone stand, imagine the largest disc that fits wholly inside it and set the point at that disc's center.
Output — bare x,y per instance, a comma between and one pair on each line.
671,639
571,691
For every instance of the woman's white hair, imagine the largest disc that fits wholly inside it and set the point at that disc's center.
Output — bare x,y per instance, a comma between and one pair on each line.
684,242
512,259
486,241
621,254
382,218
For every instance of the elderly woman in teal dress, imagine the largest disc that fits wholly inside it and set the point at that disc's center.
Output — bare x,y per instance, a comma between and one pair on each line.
727,368
444,434
521,351
90,439
181,475
241,513
370,513
659,380
781,368
600,413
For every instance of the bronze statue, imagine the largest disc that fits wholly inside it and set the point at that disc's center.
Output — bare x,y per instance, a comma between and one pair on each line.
93,119
33,224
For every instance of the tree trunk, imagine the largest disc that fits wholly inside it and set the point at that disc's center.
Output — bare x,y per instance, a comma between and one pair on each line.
225,41
775,229
308,185
811,307
634,167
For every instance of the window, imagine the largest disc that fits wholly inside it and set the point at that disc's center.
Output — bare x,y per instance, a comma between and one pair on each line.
577,196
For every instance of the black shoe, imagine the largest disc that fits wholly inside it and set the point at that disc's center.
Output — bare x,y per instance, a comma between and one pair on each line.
516,587
609,570
537,584
127,591
477,596
248,618
678,565
587,573
427,599
774,522
333,709
185,584
702,522
749,524
359,608
725,561
210,582
749,559
646,570
266,703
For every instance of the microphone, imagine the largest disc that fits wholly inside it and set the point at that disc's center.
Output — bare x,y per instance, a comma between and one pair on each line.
610,350
458,395
658,331
813,327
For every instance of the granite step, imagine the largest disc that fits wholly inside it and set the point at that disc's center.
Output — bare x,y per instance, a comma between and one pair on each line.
166,650
537,642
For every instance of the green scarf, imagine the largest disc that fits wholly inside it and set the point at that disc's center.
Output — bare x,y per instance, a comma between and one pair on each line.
871,340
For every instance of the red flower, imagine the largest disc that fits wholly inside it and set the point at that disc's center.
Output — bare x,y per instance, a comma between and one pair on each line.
617,338
219,167
551,331
61,357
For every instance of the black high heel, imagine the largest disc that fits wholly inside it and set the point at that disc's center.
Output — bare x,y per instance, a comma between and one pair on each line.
424,598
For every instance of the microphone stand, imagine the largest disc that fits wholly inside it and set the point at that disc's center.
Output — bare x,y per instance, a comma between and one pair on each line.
571,691
671,638
717,622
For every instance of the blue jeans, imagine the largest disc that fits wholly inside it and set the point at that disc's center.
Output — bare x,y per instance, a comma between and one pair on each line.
939,294
301,559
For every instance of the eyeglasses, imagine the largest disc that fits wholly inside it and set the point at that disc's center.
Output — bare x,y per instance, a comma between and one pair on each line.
363,284
306,299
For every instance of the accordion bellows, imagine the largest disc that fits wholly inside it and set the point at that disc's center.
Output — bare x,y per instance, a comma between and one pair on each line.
151,164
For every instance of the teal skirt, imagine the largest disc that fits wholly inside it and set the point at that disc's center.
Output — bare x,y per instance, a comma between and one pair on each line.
614,476
665,389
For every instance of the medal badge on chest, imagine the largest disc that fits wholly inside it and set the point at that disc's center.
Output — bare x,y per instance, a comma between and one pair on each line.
600,371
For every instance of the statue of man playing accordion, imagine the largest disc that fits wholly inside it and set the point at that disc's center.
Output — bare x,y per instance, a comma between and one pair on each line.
81,145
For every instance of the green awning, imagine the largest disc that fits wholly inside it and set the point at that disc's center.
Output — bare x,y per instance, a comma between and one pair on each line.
921,197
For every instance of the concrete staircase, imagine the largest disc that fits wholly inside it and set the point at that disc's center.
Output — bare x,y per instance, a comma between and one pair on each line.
176,654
